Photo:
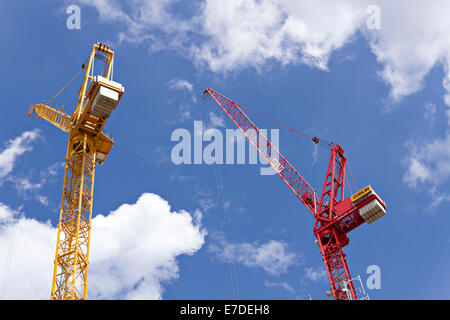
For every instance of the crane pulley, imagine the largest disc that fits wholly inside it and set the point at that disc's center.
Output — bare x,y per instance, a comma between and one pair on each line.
334,214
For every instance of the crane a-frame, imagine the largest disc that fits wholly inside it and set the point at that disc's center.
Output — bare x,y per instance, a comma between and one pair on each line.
88,144
335,216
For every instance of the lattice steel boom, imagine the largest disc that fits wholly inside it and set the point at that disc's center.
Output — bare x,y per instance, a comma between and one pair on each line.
334,215
87,145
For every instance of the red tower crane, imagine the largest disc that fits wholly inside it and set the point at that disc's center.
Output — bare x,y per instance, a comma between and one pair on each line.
334,215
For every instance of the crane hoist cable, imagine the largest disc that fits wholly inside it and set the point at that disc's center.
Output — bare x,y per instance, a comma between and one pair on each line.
57,94
351,175
223,222
224,225
13,233
83,66
315,139
320,141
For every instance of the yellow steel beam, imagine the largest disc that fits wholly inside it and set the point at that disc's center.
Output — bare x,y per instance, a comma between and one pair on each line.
71,262
52,115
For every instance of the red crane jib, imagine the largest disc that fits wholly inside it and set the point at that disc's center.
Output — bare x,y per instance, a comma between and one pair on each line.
333,218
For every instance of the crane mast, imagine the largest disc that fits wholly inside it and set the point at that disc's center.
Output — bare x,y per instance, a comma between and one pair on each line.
331,241
334,215
87,145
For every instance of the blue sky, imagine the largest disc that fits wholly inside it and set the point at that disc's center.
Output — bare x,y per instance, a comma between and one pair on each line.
230,232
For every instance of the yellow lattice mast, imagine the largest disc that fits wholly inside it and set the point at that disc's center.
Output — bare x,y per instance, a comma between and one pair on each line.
87,145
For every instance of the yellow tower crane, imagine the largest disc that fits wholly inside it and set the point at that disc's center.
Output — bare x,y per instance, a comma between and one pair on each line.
88,145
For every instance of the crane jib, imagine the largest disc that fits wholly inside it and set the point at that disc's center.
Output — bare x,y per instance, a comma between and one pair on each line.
304,192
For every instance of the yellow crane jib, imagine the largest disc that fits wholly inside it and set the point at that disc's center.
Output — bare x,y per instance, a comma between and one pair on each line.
87,145
52,115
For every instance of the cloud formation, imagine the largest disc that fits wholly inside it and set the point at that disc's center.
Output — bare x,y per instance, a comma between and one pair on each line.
428,167
15,148
315,274
408,38
273,257
133,250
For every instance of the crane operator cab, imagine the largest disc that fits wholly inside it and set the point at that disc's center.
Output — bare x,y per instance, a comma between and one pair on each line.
102,98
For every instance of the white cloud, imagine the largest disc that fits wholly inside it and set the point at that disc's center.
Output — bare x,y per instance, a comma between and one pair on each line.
231,35
28,189
51,171
180,177
161,156
133,250
143,20
428,167
250,33
23,184
184,111
183,85
417,172
273,257
27,269
430,112
429,162
315,154
15,148
180,84
409,47
206,204
215,121
437,198
151,237
315,274
286,286
42,200
6,213
413,38
182,114
227,36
